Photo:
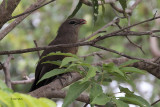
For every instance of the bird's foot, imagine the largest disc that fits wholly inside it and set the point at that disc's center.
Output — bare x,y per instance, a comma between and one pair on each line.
69,74
60,79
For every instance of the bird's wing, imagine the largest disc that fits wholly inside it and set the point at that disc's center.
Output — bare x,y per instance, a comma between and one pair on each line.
41,69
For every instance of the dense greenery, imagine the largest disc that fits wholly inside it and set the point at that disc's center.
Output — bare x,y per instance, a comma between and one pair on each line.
111,80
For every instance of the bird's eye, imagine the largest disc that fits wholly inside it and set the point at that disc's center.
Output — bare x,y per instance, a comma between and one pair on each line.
72,22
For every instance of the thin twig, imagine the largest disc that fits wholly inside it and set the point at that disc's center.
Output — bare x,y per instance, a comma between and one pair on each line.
30,11
135,44
128,37
6,68
113,33
12,25
36,47
155,102
93,54
131,33
101,29
122,54
23,81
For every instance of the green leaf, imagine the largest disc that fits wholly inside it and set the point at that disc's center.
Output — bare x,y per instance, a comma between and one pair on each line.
72,67
135,100
123,4
104,79
91,73
95,9
103,8
4,87
128,63
79,5
23,100
50,103
132,69
126,90
52,73
101,99
17,100
120,103
74,91
5,99
131,98
52,62
111,67
59,53
95,90
66,60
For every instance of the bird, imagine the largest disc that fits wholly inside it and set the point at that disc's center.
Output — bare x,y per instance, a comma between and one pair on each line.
67,34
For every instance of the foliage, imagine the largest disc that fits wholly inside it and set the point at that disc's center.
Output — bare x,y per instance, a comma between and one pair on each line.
95,78
42,26
10,99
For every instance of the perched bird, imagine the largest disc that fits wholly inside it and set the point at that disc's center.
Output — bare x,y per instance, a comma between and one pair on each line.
67,33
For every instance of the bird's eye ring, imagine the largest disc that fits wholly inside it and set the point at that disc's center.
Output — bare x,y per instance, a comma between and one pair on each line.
72,22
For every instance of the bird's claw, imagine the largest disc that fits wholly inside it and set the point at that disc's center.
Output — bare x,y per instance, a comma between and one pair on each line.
69,74
60,79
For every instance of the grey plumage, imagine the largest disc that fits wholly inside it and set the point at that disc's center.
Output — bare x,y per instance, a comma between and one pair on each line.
67,33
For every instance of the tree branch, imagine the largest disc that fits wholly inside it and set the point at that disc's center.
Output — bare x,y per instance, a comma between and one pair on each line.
6,10
6,69
23,81
45,91
27,12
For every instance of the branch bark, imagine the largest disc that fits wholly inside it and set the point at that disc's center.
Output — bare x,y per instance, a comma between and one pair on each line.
27,12
6,9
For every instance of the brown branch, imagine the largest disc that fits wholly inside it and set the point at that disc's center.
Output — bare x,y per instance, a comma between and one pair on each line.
45,91
23,81
93,54
115,33
128,11
32,10
117,23
155,102
130,33
11,26
122,54
6,69
101,29
134,5
6,10
154,47
140,65
88,3
36,47
135,45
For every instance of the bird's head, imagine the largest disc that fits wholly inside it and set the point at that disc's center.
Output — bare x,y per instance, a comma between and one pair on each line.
72,24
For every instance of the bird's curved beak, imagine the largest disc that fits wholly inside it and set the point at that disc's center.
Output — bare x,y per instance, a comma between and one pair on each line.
82,21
